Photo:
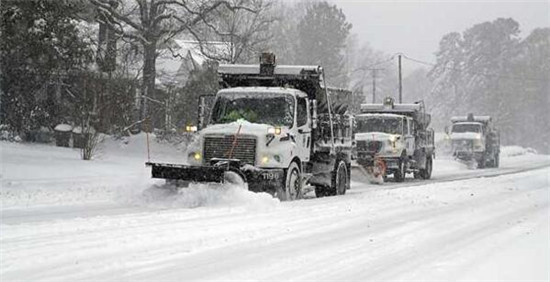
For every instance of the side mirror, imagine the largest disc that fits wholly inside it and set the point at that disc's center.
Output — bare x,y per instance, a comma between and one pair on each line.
205,104
313,106
200,118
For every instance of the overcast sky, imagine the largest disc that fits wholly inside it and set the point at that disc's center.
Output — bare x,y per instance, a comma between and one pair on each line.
415,27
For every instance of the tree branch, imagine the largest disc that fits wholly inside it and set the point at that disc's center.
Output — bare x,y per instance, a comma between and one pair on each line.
105,7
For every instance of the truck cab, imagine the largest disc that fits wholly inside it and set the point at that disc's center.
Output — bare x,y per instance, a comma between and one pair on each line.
474,139
394,139
468,137
274,126
383,134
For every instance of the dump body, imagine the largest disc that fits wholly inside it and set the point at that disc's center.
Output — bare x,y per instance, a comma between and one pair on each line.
396,137
266,122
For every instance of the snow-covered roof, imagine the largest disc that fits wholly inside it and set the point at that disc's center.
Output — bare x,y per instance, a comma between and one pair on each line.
175,64
78,130
469,122
292,91
474,118
192,48
279,69
403,108
63,127
378,115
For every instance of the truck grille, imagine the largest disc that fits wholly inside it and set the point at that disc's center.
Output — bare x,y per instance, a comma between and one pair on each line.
369,146
220,147
463,145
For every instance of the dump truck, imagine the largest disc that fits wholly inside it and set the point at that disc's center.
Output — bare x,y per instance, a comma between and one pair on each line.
394,139
273,127
475,140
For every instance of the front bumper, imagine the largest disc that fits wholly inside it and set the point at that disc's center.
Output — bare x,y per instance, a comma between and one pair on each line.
367,160
258,179
468,155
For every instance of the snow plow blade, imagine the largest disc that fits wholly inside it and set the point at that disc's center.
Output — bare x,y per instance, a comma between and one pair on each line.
187,173
369,172
258,180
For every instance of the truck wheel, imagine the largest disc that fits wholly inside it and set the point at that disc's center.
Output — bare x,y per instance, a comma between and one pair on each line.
293,184
481,162
399,174
321,191
427,171
340,180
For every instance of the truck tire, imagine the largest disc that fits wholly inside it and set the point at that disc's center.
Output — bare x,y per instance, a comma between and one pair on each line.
340,179
322,191
399,174
426,173
293,184
481,162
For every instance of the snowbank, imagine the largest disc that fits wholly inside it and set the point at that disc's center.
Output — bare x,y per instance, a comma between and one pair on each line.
513,151
38,175
63,127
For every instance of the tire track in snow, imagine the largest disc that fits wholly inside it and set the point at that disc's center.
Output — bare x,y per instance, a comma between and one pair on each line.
397,228
239,256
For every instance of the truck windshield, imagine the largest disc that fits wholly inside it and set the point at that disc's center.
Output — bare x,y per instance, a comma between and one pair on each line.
391,125
466,127
265,108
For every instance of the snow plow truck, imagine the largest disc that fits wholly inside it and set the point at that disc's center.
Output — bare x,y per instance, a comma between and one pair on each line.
394,139
475,140
275,128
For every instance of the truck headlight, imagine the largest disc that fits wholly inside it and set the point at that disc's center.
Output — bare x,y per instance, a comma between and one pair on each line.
274,130
191,128
195,156
266,159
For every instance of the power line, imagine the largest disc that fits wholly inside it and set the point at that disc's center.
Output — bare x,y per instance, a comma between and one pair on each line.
469,71
369,67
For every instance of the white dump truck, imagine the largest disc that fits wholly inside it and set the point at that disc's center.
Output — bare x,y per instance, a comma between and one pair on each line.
475,140
274,127
395,139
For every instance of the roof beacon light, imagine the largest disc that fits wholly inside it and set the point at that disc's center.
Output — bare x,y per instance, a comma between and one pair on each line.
267,64
388,103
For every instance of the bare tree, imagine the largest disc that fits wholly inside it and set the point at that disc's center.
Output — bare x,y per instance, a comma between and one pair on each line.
153,23
242,34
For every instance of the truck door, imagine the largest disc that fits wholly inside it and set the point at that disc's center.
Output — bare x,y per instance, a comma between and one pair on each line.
303,136
409,137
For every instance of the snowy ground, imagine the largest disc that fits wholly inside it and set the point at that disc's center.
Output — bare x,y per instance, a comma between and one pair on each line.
63,219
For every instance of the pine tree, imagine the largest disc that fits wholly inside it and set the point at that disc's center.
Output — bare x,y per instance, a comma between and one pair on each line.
322,37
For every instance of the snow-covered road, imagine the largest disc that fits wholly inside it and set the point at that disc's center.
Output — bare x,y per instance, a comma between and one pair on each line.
66,220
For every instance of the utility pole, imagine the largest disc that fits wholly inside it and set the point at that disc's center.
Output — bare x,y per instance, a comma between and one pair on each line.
374,84
400,82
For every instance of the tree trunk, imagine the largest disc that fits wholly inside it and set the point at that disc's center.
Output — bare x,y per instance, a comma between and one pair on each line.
148,86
